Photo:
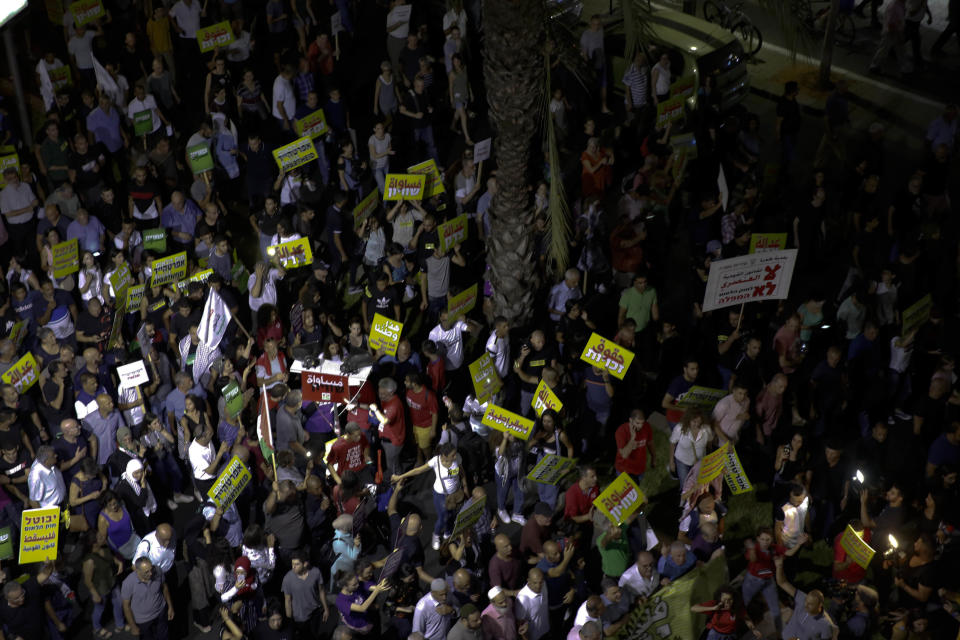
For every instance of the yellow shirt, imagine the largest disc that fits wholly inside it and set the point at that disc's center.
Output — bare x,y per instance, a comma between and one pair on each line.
159,33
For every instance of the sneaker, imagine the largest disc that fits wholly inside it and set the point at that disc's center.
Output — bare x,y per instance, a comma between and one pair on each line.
171,505
182,497
435,543
504,516
355,290
519,519
902,415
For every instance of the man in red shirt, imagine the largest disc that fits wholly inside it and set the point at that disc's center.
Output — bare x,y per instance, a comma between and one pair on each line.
844,568
580,497
634,439
436,367
423,414
351,452
393,425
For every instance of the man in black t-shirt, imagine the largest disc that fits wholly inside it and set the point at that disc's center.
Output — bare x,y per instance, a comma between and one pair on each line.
23,613
534,356
93,325
380,298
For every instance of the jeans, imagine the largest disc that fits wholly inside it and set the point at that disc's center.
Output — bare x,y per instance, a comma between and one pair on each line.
682,471
526,397
380,175
155,629
425,135
753,585
504,485
444,525
547,493
168,473
112,598
715,635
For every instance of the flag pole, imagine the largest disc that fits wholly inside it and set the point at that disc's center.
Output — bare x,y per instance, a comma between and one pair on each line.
266,417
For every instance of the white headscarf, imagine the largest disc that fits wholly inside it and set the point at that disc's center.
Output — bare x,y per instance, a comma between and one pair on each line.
133,466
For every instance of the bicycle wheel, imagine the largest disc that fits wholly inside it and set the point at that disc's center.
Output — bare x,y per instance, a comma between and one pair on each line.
713,12
749,37
846,32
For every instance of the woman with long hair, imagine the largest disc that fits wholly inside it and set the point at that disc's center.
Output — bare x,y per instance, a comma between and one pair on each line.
688,443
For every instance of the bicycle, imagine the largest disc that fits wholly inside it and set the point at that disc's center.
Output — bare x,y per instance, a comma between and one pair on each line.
734,20
845,32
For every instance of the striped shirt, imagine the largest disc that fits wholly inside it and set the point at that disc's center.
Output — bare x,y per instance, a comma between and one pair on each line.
638,82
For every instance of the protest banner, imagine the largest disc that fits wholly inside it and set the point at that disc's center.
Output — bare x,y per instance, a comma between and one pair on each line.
486,382
10,159
296,154
855,546
230,483
434,181
292,254
168,269
703,398
734,474
155,240
312,125
142,122
760,242
66,258
199,276
384,334
39,534
916,315
134,297
200,158
85,11
391,565
6,543
755,277
233,399
324,387
132,374
682,87
365,208
551,469
507,421
712,465
18,332
607,354
666,613
114,340
670,110
481,150
620,499
470,512
403,186
452,232
461,304
121,279
60,77
216,35
23,374
544,398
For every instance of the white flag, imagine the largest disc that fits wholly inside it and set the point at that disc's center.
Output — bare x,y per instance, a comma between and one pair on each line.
107,84
46,87
213,323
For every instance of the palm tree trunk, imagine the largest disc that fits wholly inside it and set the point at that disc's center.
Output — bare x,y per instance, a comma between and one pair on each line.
513,72
826,51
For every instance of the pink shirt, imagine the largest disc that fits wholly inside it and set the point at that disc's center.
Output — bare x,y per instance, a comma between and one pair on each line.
725,413
498,625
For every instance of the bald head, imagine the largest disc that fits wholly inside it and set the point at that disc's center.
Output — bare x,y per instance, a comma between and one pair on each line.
502,543
164,534
461,579
413,524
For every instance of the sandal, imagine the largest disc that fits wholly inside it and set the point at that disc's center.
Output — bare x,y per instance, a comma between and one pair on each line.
104,633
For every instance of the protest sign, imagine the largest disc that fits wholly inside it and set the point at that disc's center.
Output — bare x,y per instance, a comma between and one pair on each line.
114,340
199,276
620,499
200,158
85,11
336,24
507,421
23,374
712,465
8,160
760,242
469,514
481,150
544,398
6,543
168,269
365,207
239,276
551,469
142,122
39,534
292,254
132,374
670,110
682,87
312,125
461,304
230,483
452,232
65,258
434,181
734,474
324,387
134,297
18,332
297,153
703,398
486,382
155,240
233,399
60,77
755,277
384,334
403,186
121,279
391,564
216,35
916,315
607,354
855,546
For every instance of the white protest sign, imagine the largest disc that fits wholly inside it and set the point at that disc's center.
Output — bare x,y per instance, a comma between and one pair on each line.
481,150
754,277
132,374
336,23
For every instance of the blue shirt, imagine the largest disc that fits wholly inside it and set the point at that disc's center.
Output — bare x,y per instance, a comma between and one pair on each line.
31,307
183,221
106,128
557,587
87,235
669,569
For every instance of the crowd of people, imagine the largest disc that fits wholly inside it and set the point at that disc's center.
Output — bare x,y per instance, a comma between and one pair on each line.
841,400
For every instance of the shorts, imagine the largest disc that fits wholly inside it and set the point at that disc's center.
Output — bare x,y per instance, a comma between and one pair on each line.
423,436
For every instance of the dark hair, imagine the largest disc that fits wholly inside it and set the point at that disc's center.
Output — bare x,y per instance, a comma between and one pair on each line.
253,536
790,86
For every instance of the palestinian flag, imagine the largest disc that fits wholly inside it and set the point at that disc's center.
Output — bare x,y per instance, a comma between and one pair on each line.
264,432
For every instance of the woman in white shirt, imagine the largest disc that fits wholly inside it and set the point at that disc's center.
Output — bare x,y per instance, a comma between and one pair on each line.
660,79
449,487
91,279
688,443
403,217
381,149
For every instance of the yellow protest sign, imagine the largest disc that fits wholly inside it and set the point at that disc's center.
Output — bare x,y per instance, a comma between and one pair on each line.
297,153
365,207
544,398
551,469
452,232
23,374
230,483
169,269
461,304
607,354
486,382
65,258
292,254
312,125
858,550
917,314
403,186
120,280
199,276
85,11
507,421
682,87
434,182
18,332
712,465
620,499
760,242
216,35
669,110
734,474
39,534
60,77
384,334
134,296
8,160
703,398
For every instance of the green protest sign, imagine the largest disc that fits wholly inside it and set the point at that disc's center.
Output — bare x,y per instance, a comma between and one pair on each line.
200,158
142,122
233,398
155,240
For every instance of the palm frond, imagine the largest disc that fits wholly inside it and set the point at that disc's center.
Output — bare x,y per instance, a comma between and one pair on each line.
558,210
636,25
